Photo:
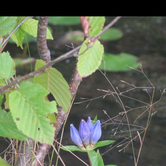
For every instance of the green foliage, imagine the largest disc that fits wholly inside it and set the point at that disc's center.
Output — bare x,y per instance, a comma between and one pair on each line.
90,58
119,62
6,24
8,127
64,20
54,82
96,25
29,110
95,158
6,66
30,27
3,162
111,34
73,148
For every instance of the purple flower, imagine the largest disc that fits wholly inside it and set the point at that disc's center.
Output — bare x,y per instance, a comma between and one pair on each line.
87,134
96,132
74,135
84,132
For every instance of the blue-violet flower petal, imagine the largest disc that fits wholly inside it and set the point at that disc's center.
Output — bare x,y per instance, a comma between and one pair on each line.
84,132
96,132
89,123
75,137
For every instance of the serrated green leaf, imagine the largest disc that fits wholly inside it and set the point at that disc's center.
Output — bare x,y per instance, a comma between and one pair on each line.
6,66
119,62
90,58
29,110
111,34
8,127
72,148
30,26
103,143
95,158
3,162
55,83
6,25
18,37
96,25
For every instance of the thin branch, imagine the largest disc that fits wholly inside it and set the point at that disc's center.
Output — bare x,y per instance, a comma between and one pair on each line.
43,50
14,31
42,69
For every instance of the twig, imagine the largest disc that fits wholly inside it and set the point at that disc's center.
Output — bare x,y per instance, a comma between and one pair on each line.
42,69
14,31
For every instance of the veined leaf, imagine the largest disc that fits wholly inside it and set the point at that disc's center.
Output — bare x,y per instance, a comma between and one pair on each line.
6,25
90,58
6,66
96,25
29,110
3,162
8,127
119,62
55,83
30,26
18,37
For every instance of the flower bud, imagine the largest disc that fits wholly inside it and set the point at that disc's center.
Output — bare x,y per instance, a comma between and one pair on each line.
75,137
84,132
96,132
89,123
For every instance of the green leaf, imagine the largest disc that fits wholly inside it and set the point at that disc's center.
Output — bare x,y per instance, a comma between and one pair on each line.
6,25
95,158
64,20
111,34
18,37
29,110
90,57
96,25
6,66
55,83
72,148
103,143
3,162
119,62
8,127
30,26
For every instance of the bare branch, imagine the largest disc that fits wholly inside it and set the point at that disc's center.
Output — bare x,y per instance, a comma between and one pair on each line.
43,50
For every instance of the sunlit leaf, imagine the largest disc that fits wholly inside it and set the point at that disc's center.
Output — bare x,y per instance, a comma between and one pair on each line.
30,26
3,162
29,110
6,66
6,25
90,57
55,83
96,25
119,62
111,34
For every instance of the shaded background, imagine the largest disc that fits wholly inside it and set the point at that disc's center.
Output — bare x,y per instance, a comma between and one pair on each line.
144,37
